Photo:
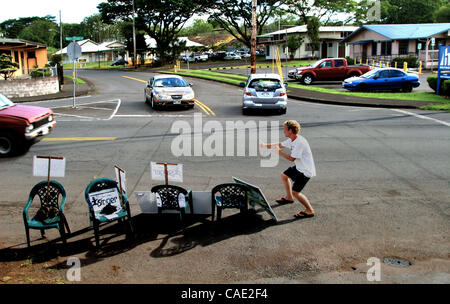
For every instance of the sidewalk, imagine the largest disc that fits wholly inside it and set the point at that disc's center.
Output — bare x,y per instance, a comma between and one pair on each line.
66,92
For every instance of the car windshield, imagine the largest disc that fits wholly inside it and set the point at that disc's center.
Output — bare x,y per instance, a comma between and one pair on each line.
315,64
369,74
170,82
265,84
5,102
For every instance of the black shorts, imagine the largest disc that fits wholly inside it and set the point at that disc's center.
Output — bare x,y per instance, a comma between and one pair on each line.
297,177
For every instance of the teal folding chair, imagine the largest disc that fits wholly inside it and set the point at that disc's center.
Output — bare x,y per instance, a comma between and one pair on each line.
228,195
97,218
52,197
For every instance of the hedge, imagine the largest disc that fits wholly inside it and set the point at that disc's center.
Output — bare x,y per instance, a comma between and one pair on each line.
350,61
412,62
444,87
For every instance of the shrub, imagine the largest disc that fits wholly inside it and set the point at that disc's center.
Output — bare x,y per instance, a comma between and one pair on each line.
412,62
40,73
350,61
444,87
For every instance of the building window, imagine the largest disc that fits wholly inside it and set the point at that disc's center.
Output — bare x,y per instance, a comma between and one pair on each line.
308,47
374,48
386,48
31,54
403,47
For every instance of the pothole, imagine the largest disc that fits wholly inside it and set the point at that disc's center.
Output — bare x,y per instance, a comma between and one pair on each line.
396,262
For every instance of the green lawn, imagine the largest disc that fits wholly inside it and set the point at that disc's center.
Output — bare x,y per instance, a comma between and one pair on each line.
91,65
77,80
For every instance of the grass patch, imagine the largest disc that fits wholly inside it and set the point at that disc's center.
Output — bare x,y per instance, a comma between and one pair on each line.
77,80
105,65
205,76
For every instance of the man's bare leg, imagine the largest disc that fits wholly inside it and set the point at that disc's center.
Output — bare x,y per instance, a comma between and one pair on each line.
287,186
304,201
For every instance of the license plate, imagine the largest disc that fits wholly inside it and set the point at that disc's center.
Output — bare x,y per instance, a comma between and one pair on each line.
258,105
177,101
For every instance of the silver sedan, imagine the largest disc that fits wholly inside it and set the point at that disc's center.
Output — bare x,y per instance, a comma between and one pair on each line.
169,90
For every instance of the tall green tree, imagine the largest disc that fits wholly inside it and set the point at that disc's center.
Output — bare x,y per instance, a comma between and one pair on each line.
294,42
443,14
199,26
11,28
312,32
160,19
42,31
235,16
324,10
93,27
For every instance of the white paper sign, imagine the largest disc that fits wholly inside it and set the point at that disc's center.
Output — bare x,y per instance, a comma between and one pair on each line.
174,173
57,167
181,200
122,180
106,203
158,200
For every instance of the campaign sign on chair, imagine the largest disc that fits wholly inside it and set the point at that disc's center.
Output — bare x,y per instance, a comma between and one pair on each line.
106,203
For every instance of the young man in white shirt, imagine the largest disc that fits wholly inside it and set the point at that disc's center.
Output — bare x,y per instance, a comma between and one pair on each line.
301,172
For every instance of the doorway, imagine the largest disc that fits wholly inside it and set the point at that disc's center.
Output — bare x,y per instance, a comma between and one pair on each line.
324,49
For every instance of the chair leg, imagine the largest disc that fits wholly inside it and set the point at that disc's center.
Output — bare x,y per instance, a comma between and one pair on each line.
62,232
27,232
66,224
219,213
96,234
213,211
43,232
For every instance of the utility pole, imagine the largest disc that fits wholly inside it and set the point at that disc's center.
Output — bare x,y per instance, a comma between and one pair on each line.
134,38
253,39
60,31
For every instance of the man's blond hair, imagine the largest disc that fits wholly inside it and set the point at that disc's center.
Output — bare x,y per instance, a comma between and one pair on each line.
293,125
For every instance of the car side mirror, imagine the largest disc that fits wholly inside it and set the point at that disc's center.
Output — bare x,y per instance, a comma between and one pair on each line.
191,84
375,77
242,84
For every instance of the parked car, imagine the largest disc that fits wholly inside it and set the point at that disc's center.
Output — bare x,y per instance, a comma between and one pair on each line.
168,90
22,125
383,79
327,69
232,56
119,62
264,91
196,57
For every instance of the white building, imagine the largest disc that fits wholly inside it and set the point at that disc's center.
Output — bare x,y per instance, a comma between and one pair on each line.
91,51
330,36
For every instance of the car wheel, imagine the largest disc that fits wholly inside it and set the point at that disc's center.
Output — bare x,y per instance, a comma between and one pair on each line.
245,111
407,87
307,79
9,144
146,98
283,111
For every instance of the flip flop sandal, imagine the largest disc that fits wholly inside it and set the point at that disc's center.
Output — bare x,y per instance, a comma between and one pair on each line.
284,201
302,214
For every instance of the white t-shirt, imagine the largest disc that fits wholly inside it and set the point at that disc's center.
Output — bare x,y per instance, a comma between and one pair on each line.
300,150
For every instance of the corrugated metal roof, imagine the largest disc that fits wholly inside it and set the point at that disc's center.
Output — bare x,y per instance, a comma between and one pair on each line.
408,31
304,29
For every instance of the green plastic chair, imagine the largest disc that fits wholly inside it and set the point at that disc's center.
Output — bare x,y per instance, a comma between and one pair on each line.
228,195
169,195
55,193
100,184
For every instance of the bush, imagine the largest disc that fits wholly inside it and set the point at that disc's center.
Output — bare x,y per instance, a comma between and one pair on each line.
412,62
40,73
350,61
444,87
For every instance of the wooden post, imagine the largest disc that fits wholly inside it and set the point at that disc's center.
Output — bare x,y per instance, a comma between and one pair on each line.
166,174
120,185
49,166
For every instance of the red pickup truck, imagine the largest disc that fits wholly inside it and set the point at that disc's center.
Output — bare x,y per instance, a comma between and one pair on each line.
21,125
328,69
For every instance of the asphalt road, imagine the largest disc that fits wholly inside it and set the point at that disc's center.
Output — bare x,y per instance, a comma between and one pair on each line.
382,189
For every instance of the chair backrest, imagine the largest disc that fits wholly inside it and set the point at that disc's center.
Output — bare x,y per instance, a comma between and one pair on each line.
169,195
232,195
50,198
100,184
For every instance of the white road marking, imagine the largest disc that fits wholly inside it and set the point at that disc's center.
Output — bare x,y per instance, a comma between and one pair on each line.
49,100
150,115
115,111
71,115
423,117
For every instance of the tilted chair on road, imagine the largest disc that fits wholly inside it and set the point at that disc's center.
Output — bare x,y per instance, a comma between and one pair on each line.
123,214
229,195
52,198
170,199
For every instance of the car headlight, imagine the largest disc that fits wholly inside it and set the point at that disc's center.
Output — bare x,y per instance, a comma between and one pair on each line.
189,95
299,72
349,82
29,128
50,118
162,96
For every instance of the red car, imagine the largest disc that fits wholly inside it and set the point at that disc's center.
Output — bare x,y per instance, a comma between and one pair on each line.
21,125
328,69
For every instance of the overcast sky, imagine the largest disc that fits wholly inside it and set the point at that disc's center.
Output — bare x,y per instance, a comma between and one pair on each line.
72,11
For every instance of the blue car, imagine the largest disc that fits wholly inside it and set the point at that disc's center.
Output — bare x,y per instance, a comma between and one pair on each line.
382,79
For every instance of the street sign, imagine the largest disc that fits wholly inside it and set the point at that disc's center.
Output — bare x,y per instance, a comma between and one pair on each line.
433,41
419,46
75,38
73,51
443,65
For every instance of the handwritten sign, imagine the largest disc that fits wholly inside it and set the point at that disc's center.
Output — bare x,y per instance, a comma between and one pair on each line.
121,178
105,203
174,173
57,167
